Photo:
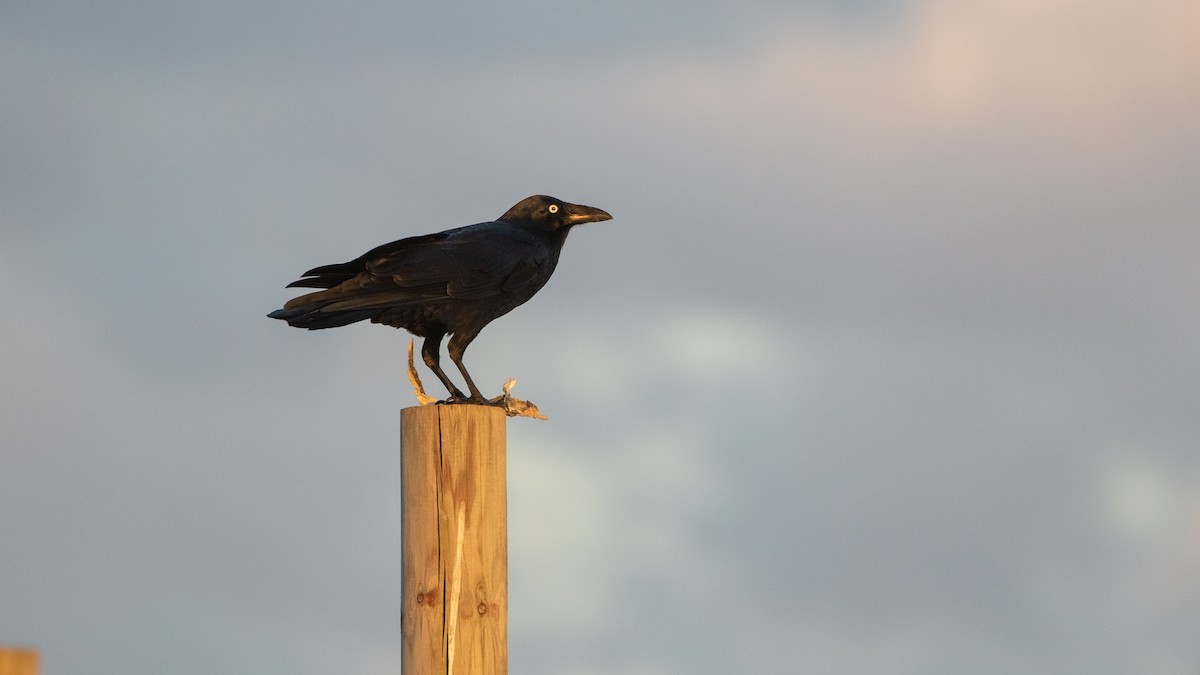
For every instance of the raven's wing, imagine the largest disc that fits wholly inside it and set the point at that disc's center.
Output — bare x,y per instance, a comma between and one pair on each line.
469,263
328,276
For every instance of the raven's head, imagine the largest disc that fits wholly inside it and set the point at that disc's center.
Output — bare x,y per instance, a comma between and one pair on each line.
552,215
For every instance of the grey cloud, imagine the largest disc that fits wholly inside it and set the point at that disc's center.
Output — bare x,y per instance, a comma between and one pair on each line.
861,378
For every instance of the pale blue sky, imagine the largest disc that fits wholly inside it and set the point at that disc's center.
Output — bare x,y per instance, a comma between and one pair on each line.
886,364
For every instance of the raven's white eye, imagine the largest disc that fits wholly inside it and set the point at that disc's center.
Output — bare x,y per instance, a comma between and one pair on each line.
553,208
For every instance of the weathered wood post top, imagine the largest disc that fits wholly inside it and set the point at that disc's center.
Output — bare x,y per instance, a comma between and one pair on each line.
454,540
18,660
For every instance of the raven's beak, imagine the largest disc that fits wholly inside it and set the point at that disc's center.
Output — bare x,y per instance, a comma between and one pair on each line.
578,213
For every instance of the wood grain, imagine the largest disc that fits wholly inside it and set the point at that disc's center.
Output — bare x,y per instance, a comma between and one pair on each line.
455,540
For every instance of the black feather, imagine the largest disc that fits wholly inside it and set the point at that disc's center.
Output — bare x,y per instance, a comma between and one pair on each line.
453,282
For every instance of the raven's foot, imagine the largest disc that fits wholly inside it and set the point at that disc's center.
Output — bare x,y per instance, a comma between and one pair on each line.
458,398
513,407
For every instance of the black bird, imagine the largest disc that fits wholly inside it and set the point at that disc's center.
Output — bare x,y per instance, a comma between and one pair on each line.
453,282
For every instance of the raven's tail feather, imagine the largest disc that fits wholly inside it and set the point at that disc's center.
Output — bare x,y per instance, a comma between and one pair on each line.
311,317
325,277
357,299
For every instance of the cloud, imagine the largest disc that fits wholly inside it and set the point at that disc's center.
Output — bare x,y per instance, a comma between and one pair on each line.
888,354
1147,509
1091,79
71,418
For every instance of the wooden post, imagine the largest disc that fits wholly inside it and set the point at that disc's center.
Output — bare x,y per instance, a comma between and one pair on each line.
454,540
18,661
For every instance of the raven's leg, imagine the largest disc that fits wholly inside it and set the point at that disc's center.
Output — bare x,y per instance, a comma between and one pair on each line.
429,353
458,345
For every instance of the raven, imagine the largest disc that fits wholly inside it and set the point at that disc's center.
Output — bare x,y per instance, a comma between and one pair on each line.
453,282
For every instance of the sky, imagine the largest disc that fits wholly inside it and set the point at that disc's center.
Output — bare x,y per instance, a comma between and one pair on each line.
888,362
